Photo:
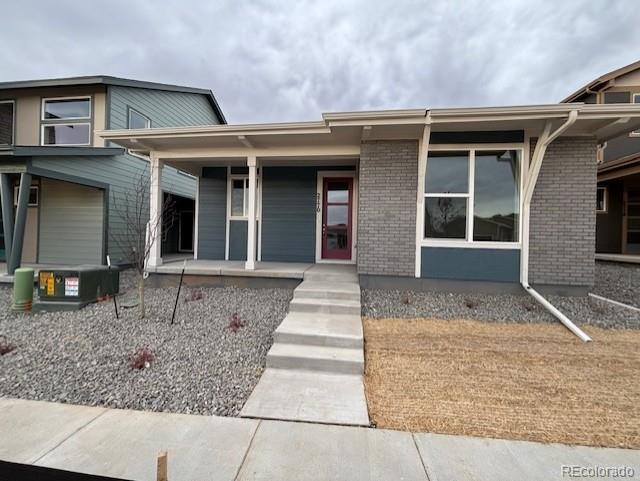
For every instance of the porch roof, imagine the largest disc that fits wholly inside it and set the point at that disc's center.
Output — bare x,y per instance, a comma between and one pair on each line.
340,134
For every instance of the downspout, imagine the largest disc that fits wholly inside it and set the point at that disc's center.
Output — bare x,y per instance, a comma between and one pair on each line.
534,170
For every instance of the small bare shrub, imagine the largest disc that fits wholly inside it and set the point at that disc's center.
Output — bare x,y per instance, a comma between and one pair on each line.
597,306
5,346
235,323
529,305
141,359
406,299
471,303
194,295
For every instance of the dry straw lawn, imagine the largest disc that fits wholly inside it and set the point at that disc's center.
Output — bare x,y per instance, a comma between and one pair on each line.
531,382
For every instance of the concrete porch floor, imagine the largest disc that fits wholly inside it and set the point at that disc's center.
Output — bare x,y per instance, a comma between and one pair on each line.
285,270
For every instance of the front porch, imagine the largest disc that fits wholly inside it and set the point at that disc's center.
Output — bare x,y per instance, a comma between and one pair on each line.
193,267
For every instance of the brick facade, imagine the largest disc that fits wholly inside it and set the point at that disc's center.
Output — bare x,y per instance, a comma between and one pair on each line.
562,224
388,179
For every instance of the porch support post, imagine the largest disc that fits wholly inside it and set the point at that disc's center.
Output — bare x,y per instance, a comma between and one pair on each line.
423,152
6,193
21,221
154,230
251,214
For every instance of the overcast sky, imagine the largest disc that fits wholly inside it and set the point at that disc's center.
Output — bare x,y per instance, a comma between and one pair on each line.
286,61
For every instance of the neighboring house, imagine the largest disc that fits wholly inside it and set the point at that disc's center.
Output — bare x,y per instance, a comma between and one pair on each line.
75,180
618,194
480,198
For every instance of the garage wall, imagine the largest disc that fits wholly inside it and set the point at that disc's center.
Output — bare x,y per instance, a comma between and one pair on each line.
71,223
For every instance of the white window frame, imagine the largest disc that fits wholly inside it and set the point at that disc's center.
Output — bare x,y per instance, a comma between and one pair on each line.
468,241
605,200
230,178
64,122
148,120
13,121
75,97
16,190
245,196
635,99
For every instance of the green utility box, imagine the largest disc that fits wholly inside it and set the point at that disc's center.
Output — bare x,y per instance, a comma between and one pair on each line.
75,287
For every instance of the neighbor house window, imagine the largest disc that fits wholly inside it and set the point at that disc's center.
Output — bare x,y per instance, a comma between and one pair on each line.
240,196
472,196
33,195
136,120
636,100
601,199
6,121
66,121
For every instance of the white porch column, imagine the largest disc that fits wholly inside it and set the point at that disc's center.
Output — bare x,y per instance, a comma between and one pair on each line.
154,229
251,214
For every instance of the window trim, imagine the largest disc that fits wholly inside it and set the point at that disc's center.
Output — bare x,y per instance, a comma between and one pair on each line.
605,200
635,133
74,97
245,192
468,241
54,124
131,109
16,189
13,121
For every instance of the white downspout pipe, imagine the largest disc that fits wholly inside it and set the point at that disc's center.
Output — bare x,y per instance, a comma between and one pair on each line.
532,177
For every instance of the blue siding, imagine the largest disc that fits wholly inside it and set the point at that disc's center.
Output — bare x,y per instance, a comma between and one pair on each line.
212,212
289,214
500,265
238,240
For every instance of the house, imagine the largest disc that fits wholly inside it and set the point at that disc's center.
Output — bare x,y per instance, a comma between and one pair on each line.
618,191
483,199
71,181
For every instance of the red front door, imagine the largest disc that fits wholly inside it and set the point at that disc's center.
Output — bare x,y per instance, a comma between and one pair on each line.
337,198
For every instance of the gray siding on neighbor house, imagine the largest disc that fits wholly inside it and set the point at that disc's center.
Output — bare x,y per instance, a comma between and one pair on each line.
71,223
388,181
498,265
609,224
289,214
563,216
212,213
238,240
621,147
164,109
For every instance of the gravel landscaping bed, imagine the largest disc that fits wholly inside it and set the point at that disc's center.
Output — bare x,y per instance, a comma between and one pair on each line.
502,308
208,362
617,281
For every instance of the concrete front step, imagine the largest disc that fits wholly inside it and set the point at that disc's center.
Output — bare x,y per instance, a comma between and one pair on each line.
299,395
328,277
328,290
336,360
326,306
320,330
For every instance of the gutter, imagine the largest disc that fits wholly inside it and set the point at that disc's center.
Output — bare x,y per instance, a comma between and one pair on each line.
534,170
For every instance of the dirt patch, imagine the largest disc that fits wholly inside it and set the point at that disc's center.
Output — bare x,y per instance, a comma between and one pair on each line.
529,382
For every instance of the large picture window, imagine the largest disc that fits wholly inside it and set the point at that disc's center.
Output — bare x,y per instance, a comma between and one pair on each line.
6,122
66,121
472,196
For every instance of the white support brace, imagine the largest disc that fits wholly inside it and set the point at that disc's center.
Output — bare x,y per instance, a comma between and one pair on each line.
423,152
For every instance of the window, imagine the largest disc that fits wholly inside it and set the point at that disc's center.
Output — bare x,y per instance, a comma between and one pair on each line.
56,128
138,121
6,122
33,195
601,199
636,100
240,196
472,196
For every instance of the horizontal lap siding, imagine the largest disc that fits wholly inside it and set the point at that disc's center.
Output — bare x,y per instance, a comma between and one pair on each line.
212,212
289,214
71,223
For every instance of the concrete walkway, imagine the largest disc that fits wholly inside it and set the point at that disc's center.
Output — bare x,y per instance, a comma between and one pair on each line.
315,366
124,444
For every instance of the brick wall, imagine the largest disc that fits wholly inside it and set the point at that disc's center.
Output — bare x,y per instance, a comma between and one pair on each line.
387,207
562,224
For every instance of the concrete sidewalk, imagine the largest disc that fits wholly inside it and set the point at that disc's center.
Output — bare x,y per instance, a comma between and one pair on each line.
124,444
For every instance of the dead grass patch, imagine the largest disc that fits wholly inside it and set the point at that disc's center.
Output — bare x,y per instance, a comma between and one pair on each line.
514,381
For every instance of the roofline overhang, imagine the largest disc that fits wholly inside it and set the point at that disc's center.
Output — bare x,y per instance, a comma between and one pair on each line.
616,113
602,82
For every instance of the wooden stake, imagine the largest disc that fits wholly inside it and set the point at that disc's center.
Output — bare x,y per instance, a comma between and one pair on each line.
162,467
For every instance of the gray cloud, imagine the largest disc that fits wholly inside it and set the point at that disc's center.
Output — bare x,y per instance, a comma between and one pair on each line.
285,61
